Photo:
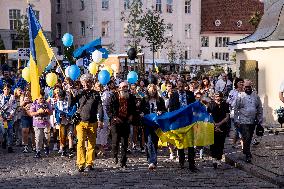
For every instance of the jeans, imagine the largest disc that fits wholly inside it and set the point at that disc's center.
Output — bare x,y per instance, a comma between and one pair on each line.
247,131
42,136
152,145
86,131
6,134
120,132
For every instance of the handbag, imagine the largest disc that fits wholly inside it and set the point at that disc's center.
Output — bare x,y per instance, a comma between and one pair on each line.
259,131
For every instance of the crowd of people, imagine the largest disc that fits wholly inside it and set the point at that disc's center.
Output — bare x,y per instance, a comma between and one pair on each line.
84,118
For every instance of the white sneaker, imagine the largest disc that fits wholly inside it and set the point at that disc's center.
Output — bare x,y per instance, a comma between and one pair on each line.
172,156
152,166
26,150
55,147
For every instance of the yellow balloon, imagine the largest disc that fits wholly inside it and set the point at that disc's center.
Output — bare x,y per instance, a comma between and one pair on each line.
26,74
163,87
51,79
93,68
108,68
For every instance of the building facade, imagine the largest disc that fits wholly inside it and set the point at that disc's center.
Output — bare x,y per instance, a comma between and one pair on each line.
11,12
225,21
90,19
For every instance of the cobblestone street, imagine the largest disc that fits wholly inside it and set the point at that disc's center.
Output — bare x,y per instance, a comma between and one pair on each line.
22,171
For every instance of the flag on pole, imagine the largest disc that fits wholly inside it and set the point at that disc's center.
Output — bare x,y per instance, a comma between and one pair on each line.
40,52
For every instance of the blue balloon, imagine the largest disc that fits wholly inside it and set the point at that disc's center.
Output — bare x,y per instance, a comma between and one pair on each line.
105,52
67,39
132,77
74,72
104,77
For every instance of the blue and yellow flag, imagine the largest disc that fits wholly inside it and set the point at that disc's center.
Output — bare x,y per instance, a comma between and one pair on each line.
156,67
187,127
40,52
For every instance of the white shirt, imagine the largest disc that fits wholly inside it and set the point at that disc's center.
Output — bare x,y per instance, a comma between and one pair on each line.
221,84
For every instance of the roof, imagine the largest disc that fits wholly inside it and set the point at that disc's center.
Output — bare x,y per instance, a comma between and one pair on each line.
270,27
229,16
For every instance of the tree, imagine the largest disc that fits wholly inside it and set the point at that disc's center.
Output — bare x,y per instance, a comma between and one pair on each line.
22,31
181,54
171,51
133,19
153,28
255,19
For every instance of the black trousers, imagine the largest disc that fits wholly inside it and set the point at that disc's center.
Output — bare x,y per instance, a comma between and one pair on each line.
191,156
120,133
217,148
247,131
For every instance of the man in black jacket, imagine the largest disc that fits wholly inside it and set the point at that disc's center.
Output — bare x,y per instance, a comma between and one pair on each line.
121,112
179,99
90,105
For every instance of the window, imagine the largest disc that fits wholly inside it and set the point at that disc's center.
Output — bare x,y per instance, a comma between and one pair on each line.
105,4
36,14
157,54
187,53
222,41
82,4
169,30
105,29
58,6
125,25
83,29
204,41
15,18
70,27
69,5
169,6
126,4
187,6
159,5
58,30
187,30
222,56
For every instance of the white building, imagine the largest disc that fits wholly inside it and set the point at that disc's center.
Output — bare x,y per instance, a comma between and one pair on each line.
10,14
90,19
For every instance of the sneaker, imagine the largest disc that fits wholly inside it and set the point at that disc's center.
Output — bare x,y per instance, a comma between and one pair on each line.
255,142
215,164
37,155
89,168
26,149
46,151
63,154
248,159
71,153
60,151
10,150
55,147
172,156
81,169
152,166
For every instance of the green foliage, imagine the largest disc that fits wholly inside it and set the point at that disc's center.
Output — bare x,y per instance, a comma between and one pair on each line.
255,19
171,51
133,18
153,28
218,70
22,31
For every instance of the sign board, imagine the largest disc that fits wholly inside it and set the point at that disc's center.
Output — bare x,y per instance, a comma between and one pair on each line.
24,53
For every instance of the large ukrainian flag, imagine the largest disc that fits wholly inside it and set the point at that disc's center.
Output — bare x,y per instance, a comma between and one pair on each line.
40,52
187,127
